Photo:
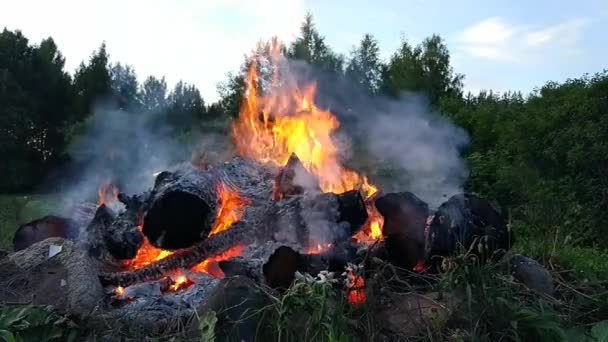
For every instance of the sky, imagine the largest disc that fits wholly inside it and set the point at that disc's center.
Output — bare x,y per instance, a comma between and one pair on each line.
500,45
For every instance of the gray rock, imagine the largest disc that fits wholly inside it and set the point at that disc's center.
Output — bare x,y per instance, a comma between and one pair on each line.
532,274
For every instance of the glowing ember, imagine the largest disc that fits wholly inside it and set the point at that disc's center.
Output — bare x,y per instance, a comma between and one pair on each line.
210,265
119,291
356,290
271,128
319,248
102,193
231,208
180,281
146,255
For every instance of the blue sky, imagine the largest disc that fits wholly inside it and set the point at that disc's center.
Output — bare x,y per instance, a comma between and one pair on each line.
498,45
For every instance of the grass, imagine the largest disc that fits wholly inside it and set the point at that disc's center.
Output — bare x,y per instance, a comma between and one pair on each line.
18,209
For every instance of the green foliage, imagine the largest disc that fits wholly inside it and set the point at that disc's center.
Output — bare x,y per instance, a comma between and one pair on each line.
31,323
35,108
543,156
310,46
207,326
495,308
310,310
365,66
18,209
425,68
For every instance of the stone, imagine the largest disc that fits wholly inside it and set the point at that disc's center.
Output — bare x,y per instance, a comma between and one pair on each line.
409,315
234,302
532,274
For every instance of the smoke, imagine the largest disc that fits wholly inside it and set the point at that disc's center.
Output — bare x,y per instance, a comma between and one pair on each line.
403,145
125,148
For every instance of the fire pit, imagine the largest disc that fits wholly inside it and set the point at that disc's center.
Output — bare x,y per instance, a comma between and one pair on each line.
285,204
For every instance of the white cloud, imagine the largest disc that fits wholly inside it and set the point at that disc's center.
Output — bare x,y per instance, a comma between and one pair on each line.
497,40
197,41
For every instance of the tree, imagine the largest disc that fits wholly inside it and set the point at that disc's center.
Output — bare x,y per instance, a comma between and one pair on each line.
35,110
364,66
92,81
185,106
425,68
124,88
311,47
153,94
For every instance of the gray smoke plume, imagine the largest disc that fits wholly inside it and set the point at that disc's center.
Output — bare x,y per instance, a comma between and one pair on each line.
126,149
402,143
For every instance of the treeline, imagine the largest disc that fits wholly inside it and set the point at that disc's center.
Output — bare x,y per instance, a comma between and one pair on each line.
542,156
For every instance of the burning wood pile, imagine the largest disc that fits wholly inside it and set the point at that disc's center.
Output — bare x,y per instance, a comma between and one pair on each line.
285,204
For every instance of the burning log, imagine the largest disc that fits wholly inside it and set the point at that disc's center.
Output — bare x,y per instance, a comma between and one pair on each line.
42,229
185,259
123,238
289,222
92,238
294,179
464,223
183,206
404,223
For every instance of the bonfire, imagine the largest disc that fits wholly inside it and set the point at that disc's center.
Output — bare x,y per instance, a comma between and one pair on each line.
284,205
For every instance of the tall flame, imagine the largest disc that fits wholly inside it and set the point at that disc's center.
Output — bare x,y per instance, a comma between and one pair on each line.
271,127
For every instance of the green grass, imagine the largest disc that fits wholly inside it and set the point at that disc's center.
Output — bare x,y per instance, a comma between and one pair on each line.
17,209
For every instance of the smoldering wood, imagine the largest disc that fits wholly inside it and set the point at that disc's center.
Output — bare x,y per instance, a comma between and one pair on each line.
123,237
294,179
291,222
405,218
92,237
467,222
183,205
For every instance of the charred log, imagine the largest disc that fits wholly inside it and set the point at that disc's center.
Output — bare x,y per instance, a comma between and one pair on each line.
464,223
183,205
42,229
404,223
123,238
92,238
352,210
281,267
294,179
291,222
184,259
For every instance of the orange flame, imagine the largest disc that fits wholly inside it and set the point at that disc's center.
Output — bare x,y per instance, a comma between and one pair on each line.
180,281
146,255
271,127
230,211
319,249
210,265
356,291
231,208
102,193
119,291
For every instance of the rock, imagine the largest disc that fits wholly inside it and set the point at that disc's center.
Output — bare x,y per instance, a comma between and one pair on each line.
234,301
46,227
409,315
66,280
532,274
